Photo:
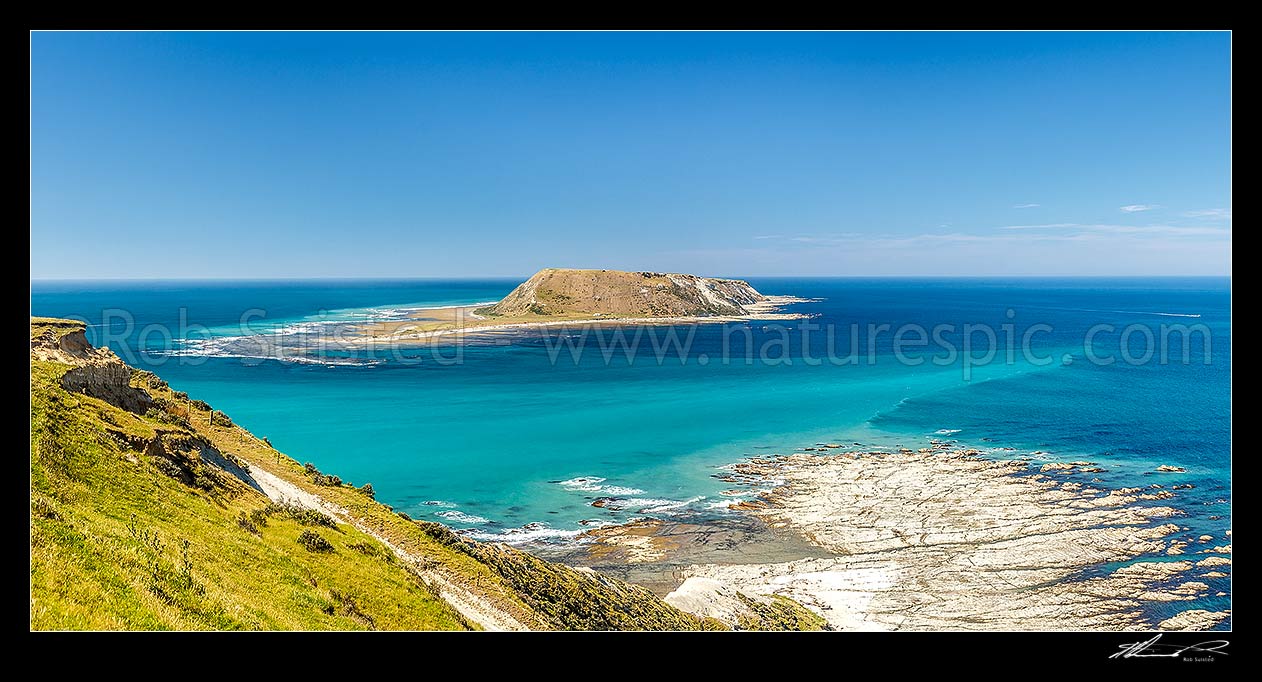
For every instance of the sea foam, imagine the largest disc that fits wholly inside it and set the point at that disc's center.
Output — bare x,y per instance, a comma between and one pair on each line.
531,532
592,484
461,517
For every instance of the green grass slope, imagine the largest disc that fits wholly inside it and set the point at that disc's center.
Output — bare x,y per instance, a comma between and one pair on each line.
117,542
137,523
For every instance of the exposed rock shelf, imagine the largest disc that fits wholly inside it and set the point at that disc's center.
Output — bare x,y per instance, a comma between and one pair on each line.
950,540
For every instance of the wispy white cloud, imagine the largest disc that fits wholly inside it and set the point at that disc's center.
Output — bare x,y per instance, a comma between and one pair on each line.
1171,230
1023,239
830,238
1044,226
1027,205
1046,249
1010,253
1015,235
1136,208
854,239
1211,213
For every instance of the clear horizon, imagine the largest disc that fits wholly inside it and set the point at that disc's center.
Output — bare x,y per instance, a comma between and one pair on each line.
297,156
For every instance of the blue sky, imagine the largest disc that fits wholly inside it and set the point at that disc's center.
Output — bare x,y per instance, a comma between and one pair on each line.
249,155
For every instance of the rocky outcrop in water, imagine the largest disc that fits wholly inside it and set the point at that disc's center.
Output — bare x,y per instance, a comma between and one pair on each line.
613,293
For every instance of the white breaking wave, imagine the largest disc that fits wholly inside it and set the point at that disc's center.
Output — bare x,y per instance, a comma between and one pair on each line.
298,343
296,359
650,505
668,506
301,341
592,484
461,517
530,532
586,483
620,490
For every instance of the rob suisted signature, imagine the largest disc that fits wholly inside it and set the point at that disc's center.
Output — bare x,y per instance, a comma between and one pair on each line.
1152,648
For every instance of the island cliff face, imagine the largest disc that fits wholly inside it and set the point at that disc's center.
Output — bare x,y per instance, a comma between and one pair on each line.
612,293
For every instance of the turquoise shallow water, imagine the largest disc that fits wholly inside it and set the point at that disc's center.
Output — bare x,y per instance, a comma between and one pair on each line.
508,443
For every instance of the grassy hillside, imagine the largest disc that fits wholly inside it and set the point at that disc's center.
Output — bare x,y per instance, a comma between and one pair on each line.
118,542
157,521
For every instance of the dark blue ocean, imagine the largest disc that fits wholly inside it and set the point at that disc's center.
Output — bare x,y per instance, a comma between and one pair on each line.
525,431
